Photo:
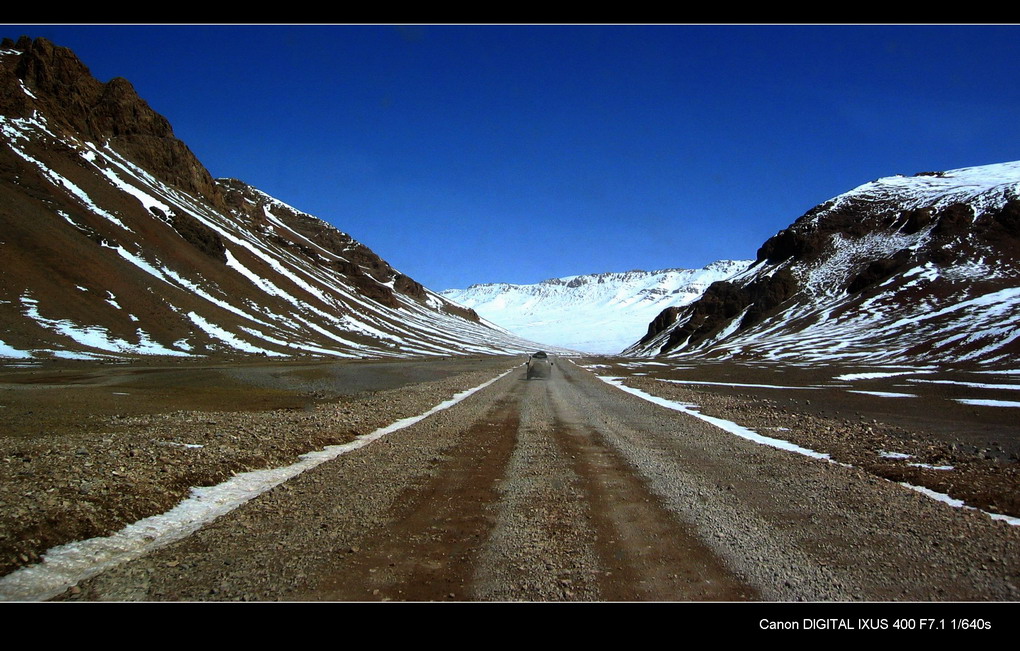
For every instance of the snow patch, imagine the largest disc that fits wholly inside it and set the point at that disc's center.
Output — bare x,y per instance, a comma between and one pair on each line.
894,455
883,394
987,403
930,467
96,336
876,375
229,338
11,352
942,497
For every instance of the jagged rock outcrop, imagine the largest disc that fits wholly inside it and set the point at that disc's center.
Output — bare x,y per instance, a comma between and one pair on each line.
661,323
723,301
63,88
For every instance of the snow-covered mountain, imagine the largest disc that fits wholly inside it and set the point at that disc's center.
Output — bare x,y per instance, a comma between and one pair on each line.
115,241
900,270
596,313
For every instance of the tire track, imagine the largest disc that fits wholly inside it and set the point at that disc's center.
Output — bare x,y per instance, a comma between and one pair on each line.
541,548
576,522
648,553
428,552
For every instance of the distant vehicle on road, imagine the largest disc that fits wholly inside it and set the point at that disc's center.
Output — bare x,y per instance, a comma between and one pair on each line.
539,365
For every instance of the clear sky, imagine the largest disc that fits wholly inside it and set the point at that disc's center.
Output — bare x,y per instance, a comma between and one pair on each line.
468,154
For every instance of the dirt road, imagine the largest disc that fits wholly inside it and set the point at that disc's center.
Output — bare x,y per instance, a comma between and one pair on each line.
570,489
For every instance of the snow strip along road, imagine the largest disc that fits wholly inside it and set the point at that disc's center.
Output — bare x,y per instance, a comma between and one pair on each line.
67,565
750,435
722,424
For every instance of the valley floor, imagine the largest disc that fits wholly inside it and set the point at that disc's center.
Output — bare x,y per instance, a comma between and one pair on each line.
547,490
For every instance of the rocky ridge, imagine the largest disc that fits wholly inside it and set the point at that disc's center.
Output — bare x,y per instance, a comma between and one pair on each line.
900,270
118,242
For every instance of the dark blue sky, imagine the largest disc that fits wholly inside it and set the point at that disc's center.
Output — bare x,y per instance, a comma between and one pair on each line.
466,154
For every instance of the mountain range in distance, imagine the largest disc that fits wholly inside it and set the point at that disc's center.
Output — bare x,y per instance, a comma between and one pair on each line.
594,313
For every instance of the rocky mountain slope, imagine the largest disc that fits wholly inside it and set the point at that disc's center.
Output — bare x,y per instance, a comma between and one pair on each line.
920,269
597,313
115,241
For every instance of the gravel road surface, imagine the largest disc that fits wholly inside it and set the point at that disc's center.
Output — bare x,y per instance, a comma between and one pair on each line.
567,488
